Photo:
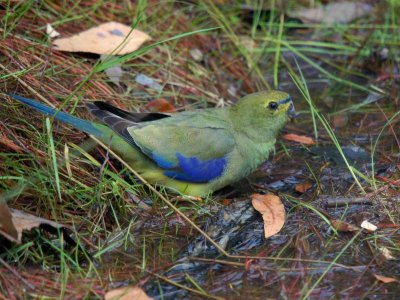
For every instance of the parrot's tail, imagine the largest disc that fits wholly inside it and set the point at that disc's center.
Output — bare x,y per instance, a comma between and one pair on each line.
83,125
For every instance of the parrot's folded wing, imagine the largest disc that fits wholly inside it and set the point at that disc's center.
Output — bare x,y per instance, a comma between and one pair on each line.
187,150
186,153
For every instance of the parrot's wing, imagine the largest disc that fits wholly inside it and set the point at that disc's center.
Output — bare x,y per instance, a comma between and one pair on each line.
188,153
192,147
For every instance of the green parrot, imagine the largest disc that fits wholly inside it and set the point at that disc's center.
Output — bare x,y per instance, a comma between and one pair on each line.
193,152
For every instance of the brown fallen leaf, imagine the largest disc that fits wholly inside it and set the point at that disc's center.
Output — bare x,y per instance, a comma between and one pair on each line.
303,187
299,139
159,105
272,210
127,293
385,279
344,226
386,253
336,12
24,221
6,224
108,38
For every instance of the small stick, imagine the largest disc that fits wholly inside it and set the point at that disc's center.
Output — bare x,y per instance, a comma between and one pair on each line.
343,201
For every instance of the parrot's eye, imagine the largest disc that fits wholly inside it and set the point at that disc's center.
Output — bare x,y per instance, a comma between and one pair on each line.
273,105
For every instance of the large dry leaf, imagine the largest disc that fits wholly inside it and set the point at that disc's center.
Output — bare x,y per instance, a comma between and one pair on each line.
108,38
7,227
127,293
339,12
24,221
272,210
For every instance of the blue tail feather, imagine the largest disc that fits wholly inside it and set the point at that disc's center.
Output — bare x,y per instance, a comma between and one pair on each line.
80,124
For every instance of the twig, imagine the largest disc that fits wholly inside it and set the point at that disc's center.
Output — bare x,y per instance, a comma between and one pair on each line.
343,201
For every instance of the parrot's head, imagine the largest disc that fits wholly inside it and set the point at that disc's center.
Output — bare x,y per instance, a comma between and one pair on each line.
264,111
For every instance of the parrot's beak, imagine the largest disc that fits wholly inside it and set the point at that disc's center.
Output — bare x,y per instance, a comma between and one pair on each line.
291,111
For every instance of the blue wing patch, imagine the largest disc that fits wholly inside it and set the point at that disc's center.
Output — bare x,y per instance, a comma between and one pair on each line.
192,169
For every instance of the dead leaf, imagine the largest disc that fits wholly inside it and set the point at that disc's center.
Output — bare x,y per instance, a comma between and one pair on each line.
343,226
385,279
386,253
337,12
368,226
115,73
272,210
303,187
148,82
196,54
108,38
159,105
24,221
6,224
51,32
299,139
127,293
